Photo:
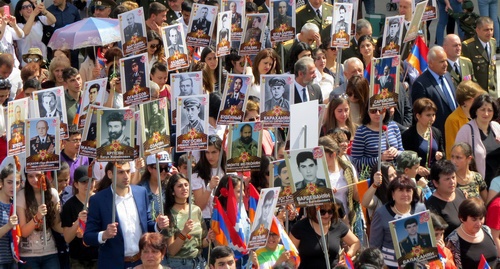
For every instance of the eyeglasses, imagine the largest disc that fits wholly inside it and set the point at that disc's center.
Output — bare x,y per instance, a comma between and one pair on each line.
162,168
374,111
26,7
324,211
154,46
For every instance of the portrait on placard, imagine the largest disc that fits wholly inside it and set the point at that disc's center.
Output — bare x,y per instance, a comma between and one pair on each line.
254,34
276,97
89,136
283,20
237,8
384,83
93,94
223,34
51,103
133,31
115,130
192,122
184,84
341,26
43,145
414,240
393,32
17,113
310,178
263,218
175,47
280,177
154,131
430,12
245,148
418,12
201,24
234,99
135,79
354,17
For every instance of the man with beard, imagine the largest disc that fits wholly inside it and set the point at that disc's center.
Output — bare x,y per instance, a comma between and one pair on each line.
235,97
192,108
277,86
282,18
156,122
116,125
245,143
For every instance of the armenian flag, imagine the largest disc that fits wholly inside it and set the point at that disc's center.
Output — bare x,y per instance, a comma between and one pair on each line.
418,55
252,201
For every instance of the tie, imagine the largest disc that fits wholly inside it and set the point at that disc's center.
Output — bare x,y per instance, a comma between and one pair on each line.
447,95
487,52
319,13
304,95
43,140
458,71
414,242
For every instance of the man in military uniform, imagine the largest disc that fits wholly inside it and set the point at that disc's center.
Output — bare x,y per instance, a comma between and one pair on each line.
102,8
174,11
132,29
317,12
282,18
234,96
414,238
18,124
192,108
42,141
309,34
385,81
255,31
173,42
202,23
156,122
235,16
224,31
308,167
393,32
137,77
245,143
277,86
481,51
459,67
363,27
341,24
116,125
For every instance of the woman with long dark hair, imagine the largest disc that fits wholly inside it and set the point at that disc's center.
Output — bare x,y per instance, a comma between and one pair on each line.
31,213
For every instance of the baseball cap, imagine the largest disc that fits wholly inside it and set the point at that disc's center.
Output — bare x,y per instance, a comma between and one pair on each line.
81,174
164,158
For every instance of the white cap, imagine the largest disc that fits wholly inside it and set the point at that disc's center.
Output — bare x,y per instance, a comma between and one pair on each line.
164,158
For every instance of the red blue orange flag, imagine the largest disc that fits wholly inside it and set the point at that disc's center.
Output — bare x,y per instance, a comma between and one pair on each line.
348,261
252,202
219,225
418,55
16,237
483,264
277,228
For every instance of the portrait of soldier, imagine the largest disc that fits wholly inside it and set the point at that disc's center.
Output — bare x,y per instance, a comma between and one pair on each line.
192,108
308,168
245,143
93,92
156,121
281,17
202,23
133,28
116,129
277,87
43,140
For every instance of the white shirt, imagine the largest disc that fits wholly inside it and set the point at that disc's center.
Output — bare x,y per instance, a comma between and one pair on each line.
299,89
130,223
7,43
34,39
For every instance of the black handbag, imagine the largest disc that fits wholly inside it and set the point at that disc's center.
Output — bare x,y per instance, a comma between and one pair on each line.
47,33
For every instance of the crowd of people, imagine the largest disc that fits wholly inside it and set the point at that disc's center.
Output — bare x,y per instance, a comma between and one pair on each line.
440,143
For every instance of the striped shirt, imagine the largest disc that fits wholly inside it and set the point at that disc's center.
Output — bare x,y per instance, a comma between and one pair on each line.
365,145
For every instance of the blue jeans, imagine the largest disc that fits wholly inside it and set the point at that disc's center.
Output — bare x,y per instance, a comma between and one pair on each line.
42,262
196,263
369,6
12,265
443,20
488,8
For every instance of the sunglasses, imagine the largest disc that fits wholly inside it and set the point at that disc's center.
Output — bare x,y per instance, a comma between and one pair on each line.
162,168
26,7
154,46
332,48
374,111
324,211
36,60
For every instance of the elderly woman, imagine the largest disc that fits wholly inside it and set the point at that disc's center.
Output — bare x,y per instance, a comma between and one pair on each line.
152,247
472,239
306,233
483,134
402,202
447,197
465,93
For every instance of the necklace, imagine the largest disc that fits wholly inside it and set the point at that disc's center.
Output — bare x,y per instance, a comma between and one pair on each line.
466,233
464,180
398,212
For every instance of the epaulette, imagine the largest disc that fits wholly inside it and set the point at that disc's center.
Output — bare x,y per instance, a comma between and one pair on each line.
260,8
287,42
468,41
464,58
300,8
327,4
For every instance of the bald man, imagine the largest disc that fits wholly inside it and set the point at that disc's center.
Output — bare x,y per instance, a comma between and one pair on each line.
459,67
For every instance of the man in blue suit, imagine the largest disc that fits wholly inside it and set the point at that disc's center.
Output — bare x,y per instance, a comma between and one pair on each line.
119,241
436,84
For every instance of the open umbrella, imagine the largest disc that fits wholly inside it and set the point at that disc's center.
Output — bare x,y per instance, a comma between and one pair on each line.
86,33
